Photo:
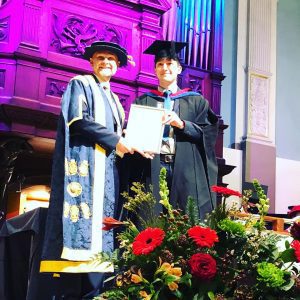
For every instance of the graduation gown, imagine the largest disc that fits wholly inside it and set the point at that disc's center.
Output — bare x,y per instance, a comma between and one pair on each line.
84,184
195,165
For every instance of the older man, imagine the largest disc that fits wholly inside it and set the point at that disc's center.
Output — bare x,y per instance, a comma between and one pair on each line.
85,176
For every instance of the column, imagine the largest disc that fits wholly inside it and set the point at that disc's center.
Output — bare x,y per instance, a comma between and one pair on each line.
256,80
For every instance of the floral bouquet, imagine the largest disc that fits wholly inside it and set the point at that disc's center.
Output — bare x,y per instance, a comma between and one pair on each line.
177,256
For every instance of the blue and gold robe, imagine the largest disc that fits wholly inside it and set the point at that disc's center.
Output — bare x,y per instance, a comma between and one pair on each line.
84,184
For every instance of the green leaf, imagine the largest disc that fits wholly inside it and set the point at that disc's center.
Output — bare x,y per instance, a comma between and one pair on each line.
192,211
288,255
186,279
199,297
170,278
287,244
135,289
211,295
157,280
275,253
178,294
156,295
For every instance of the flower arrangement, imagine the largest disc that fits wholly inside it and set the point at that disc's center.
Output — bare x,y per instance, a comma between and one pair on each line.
177,256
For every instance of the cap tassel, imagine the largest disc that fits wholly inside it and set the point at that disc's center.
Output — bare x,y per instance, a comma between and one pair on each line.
130,60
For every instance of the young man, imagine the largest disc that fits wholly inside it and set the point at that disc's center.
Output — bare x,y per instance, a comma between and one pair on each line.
191,129
85,177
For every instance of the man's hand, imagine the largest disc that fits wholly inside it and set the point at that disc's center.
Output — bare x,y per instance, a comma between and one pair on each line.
122,148
171,118
144,153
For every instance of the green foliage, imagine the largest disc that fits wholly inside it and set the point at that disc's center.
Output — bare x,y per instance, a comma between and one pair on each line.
232,227
217,215
249,264
270,275
164,192
192,211
141,204
263,205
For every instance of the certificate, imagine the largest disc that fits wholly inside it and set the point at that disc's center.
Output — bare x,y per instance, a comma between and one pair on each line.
145,128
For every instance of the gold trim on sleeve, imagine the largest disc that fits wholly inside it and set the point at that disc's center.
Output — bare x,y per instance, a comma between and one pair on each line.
62,266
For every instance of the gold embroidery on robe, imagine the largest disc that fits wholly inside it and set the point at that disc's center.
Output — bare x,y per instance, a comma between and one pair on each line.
83,168
74,189
74,213
85,210
72,167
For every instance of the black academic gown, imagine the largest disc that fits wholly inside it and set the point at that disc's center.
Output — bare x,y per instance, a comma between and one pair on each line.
195,166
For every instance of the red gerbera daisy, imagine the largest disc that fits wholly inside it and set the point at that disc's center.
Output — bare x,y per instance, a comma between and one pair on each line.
296,246
110,223
147,240
203,236
225,191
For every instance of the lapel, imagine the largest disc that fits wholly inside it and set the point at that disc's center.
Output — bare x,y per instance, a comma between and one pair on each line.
177,104
152,102
113,106
120,109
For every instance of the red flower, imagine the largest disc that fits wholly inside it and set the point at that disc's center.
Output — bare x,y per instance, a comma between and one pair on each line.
296,246
225,191
203,266
111,223
295,230
203,236
147,240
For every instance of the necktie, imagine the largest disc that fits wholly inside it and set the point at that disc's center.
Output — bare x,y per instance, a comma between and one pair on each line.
167,106
167,100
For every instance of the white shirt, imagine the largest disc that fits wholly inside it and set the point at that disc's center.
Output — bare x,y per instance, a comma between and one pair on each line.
168,146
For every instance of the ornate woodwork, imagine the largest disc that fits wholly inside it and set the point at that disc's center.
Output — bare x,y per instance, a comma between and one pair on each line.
42,44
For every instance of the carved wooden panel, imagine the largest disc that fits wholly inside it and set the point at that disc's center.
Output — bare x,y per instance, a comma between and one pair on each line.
2,78
259,105
55,87
4,29
31,28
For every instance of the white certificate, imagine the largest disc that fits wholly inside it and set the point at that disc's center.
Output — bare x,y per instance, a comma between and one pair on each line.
145,128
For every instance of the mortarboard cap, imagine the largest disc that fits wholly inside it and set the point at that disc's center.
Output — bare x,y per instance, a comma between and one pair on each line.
162,49
114,48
